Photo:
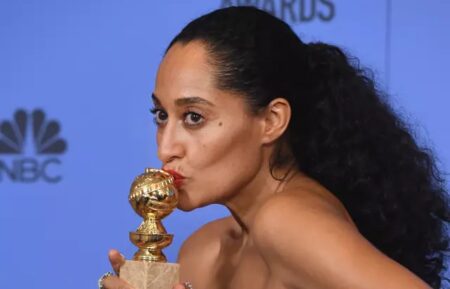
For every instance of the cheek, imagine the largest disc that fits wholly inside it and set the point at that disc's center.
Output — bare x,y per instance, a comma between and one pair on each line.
223,161
223,148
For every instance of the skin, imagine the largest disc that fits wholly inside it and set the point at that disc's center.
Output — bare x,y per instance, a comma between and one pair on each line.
281,234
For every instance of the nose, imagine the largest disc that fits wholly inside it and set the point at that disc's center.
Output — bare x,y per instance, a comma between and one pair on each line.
170,143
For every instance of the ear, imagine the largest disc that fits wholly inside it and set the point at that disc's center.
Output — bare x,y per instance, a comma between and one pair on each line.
276,119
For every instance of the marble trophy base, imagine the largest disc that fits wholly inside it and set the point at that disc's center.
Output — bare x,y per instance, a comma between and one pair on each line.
150,275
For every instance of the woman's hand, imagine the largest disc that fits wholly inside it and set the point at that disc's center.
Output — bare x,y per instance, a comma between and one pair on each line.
116,259
114,282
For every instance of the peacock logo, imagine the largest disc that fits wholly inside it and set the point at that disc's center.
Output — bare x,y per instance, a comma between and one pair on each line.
16,164
45,134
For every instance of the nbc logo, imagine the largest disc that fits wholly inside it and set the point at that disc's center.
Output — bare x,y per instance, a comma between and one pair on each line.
45,140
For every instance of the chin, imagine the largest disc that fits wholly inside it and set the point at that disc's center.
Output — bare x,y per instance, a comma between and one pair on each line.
184,202
185,208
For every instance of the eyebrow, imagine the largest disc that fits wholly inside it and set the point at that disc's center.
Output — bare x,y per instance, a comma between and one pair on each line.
185,100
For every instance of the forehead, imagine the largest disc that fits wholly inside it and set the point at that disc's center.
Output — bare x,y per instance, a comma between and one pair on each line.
185,71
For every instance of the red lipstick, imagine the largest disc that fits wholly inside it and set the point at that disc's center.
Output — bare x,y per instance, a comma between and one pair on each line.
177,177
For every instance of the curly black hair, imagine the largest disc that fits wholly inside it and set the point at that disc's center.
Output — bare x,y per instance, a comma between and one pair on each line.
342,132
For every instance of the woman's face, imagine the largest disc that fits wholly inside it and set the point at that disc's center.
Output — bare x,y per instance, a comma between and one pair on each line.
204,134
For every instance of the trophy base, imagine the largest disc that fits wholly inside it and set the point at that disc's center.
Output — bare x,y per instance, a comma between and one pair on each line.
150,275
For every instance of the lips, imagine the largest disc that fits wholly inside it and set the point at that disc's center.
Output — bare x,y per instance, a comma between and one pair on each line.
177,177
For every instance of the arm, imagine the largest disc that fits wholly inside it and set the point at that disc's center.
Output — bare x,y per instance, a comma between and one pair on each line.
198,254
307,242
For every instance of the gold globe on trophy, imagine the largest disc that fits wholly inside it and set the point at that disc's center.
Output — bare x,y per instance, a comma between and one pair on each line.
153,196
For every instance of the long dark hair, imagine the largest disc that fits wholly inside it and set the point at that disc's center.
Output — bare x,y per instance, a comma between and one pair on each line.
343,132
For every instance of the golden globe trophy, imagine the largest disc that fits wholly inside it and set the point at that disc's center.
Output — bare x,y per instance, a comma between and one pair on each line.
153,197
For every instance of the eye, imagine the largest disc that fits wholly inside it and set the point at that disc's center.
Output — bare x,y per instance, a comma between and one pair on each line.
193,119
160,116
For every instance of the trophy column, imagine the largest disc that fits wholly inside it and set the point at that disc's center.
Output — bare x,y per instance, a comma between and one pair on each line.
152,197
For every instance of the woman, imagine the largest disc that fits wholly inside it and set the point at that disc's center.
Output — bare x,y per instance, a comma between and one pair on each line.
325,184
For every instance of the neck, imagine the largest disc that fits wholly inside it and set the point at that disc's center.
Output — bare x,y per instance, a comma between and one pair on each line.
245,204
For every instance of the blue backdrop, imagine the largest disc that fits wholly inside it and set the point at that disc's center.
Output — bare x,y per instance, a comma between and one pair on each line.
75,84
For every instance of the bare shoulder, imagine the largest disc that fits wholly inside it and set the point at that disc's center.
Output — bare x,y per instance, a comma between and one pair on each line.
306,237
205,240
309,200
201,250
299,220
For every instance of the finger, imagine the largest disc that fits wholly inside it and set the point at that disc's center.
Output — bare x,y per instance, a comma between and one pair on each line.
114,282
116,259
185,285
